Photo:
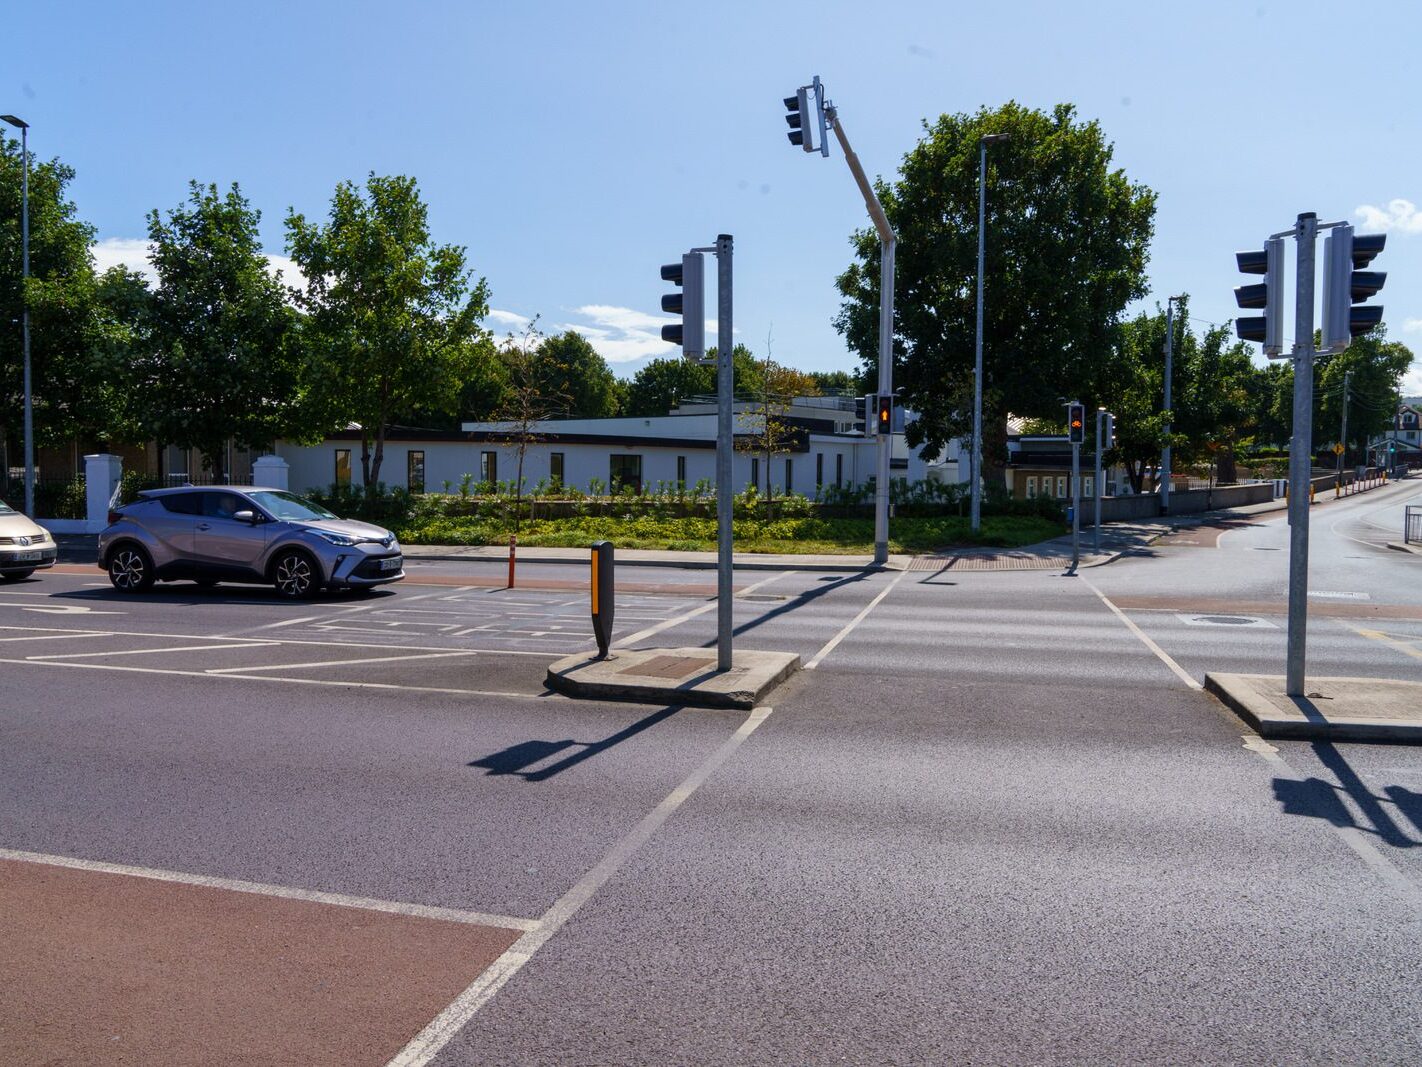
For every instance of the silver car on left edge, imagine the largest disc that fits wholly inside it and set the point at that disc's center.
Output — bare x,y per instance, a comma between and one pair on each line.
211,534
25,546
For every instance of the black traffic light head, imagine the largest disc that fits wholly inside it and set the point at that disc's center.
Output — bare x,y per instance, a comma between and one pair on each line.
1344,285
1076,423
690,304
798,119
886,413
1267,295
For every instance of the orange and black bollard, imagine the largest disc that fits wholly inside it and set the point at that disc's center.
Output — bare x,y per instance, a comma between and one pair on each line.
513,552
603,596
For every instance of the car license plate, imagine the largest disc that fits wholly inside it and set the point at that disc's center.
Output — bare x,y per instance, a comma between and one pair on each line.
22,557
392,564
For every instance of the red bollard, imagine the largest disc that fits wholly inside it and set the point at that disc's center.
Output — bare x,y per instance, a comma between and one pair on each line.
513,551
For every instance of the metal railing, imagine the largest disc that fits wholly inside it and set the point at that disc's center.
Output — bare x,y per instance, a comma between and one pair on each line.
1412,525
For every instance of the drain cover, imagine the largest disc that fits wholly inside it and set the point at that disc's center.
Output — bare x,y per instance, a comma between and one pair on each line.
1224,620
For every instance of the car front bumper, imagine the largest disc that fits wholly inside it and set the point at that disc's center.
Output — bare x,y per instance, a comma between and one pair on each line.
19,558
358,569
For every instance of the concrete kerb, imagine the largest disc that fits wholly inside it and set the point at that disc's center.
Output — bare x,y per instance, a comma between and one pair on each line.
672,676
1333,709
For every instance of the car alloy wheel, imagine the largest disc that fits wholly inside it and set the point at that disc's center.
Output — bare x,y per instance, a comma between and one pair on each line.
295,577
129,571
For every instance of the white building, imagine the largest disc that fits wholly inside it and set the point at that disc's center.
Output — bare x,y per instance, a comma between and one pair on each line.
828,446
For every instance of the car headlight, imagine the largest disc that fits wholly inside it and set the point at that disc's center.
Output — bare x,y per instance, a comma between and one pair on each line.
337,539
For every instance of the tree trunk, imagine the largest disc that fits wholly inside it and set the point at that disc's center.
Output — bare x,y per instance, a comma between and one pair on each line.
365,457
379,457
994,459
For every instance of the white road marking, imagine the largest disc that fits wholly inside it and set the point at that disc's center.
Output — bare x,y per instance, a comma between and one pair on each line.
386,646
428,1042
151,651
339,612
1352,836
1324,594
315,896
263,678
327,663
60,636
1164,656
677,620
837,638
63,609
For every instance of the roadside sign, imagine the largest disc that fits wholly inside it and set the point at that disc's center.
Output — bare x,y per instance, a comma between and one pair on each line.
1338,450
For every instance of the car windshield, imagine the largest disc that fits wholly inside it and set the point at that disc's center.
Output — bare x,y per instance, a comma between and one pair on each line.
6,509
290,506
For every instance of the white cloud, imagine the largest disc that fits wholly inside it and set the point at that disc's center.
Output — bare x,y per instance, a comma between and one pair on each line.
1398,215
1412,325
625,335
132,252
510,319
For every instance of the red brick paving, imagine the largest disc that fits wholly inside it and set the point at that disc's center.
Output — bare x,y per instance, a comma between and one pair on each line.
102,968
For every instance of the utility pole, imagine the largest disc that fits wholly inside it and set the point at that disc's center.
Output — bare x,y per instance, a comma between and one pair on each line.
24,128
1169,376
977,456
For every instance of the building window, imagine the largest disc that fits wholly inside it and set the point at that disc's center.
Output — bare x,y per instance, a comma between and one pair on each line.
755,471
555,467
838,469
681,469
789,476
819,469
343,466
489,467
1031,487
625,472
1061,487
1090,483
415,471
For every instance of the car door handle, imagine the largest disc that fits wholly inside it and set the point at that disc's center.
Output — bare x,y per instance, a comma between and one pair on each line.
204,526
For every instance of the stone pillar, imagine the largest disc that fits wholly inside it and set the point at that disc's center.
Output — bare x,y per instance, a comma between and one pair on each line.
102,473
271,472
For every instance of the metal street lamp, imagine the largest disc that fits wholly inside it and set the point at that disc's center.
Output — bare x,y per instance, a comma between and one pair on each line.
1170,303
24,128
977,456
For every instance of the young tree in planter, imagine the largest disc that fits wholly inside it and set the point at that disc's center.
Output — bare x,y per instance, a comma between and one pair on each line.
529,398
394,319
223,360
767,431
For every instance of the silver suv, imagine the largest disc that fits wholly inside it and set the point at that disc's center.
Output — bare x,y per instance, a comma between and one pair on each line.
212,535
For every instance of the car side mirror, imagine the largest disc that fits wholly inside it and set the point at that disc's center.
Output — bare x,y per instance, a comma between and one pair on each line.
246,516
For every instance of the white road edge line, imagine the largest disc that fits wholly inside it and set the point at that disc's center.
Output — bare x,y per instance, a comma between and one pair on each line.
837,638
677,620
1351,835
329,662
264,678
314,896
1164,656
442,1029
338,613
57,636
151,651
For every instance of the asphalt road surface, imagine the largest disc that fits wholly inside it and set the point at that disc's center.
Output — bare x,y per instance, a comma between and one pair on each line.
995,821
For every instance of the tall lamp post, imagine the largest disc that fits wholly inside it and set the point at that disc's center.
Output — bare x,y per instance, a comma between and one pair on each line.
24,128
1170,303
977,456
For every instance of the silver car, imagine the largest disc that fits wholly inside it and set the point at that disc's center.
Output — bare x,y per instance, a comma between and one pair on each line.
211,535
25,547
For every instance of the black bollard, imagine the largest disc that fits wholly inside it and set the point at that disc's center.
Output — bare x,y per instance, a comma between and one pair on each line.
603,595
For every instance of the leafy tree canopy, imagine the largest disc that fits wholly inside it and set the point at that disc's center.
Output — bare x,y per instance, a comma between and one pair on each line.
1067,245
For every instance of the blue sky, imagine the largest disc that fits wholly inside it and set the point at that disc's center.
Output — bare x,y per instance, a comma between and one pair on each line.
574,147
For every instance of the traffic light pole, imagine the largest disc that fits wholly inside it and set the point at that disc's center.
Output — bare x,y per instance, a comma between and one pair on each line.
1075,505
1300,454
888,242
1096,482
1343,437
725,442
1169,380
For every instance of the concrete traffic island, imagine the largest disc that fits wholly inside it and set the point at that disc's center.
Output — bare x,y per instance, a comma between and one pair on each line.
673,676
1333,709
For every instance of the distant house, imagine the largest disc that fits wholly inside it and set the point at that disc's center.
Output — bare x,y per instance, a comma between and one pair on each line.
828,445
1403,437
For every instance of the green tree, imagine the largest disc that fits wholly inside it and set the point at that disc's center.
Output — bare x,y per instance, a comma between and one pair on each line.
1067,247
1375,368
394,319
839,381
76,363
663,383
222,361
567,367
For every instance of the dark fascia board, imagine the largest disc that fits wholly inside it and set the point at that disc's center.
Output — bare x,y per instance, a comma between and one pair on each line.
796,441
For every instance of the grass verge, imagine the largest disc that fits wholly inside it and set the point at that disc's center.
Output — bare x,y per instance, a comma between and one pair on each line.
804,536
